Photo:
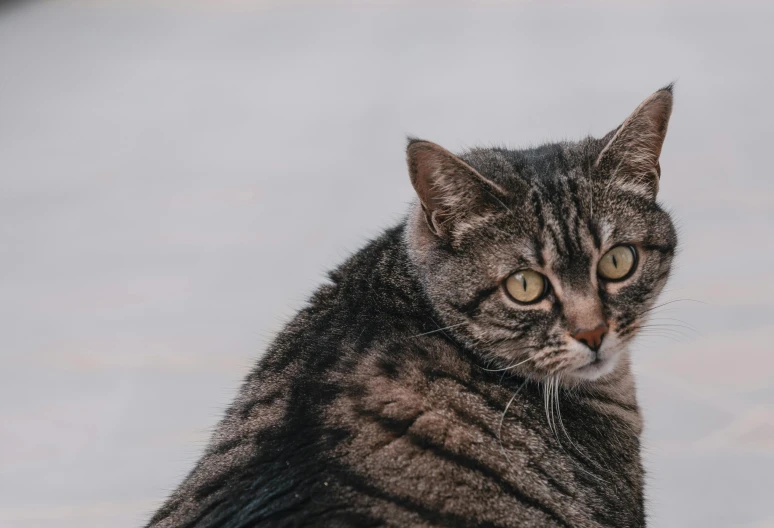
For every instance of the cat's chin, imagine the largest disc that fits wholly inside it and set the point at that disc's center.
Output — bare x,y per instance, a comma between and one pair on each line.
597,368
594,370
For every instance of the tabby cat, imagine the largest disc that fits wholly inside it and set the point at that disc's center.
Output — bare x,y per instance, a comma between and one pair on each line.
470,366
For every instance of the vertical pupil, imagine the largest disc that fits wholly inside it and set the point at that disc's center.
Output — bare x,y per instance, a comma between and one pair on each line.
524,282
615,261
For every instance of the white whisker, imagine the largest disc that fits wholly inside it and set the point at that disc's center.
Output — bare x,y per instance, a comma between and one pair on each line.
508,367
437,330
502,419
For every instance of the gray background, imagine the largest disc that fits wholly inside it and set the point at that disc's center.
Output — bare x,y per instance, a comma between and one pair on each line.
175,178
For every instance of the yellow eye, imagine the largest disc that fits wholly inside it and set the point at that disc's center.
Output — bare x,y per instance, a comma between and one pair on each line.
526,286
617,264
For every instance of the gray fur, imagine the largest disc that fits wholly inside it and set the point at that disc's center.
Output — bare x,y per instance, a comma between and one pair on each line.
411,391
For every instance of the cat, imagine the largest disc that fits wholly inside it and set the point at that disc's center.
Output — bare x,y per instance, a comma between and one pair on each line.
468,367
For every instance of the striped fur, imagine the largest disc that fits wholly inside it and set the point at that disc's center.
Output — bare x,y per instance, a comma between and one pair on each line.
394,397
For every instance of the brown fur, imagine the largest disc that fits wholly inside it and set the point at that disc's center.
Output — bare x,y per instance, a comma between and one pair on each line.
413,390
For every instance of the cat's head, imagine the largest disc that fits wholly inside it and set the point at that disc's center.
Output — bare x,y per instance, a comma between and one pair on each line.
546,260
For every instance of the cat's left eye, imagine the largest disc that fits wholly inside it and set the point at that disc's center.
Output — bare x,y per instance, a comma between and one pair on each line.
617,264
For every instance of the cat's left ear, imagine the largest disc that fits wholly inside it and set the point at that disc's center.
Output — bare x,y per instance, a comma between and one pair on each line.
632,152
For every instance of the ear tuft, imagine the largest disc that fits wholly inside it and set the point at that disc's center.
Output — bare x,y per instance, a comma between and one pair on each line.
668,88
632,154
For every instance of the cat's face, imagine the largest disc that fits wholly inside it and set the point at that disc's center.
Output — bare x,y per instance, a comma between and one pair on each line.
546,261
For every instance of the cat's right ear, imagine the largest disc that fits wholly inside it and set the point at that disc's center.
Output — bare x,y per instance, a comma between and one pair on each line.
448,188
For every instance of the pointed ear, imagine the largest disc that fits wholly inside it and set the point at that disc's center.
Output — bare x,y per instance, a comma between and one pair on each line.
632,152
449,189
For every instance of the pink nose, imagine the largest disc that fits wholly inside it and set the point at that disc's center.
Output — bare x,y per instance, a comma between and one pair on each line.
591,338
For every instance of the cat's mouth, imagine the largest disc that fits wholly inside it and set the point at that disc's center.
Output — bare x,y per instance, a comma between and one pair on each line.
597,365
597,368
594,365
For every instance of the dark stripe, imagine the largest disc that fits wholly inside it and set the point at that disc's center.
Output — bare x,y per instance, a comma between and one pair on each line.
518,327
574,196
551,481
361,485
664,250
537,205
470,307
204,512
226,446
492,403
490,473
210,487
606,400
592,228
556,237
401,427
266,399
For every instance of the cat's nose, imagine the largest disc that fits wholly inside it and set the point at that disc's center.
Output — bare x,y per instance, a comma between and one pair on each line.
591,338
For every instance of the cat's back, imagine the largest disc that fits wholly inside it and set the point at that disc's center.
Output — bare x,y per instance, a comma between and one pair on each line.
269,455
363,413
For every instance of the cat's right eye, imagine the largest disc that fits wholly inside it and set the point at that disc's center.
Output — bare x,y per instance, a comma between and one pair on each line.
526,286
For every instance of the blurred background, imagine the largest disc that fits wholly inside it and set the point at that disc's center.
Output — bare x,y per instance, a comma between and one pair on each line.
176,177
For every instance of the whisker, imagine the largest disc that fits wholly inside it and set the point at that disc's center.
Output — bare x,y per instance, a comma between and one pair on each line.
678,330
438,329
673,327
580,452
670,337
548,403
502,419
500,202
688,325
671,302
508,367
561,422
555,403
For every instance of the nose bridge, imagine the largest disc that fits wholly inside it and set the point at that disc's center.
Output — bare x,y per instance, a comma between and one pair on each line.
582,310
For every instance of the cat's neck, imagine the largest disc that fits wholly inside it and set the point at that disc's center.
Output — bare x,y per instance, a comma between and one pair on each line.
616,393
